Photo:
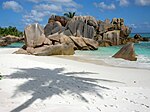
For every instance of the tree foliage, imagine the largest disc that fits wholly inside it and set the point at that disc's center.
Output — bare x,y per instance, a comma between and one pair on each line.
10,31
70,14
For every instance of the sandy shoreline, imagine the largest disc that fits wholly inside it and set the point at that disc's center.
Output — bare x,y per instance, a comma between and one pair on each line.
54,84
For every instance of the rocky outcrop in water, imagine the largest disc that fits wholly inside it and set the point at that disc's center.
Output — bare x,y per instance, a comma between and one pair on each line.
126,52
112,33
140,38
7,40
107,33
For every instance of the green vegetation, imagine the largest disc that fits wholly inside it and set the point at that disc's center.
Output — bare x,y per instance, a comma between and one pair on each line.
10,31
70,14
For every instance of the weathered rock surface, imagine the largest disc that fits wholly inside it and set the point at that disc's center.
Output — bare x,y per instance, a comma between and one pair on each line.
113,33
104,43
79,42
61,19
117,23
21,51
112,36
4,41
93,45
34,35
103,27
126,52
78,27
59,49
137,36
52,27
125,31
90,20
37,44
140,38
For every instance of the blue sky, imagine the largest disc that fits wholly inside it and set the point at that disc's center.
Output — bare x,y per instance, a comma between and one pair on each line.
20,13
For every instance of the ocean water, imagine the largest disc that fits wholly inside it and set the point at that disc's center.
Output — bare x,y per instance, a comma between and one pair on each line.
14,45
105,54
142,34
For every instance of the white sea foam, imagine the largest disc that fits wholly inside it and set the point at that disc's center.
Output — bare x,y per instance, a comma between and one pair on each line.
142,62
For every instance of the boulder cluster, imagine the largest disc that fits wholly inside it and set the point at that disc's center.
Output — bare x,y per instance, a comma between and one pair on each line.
107,33
4,41
61,36
37,42
110,33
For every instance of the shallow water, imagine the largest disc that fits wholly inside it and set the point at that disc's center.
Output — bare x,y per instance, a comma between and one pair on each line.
105,54
14,45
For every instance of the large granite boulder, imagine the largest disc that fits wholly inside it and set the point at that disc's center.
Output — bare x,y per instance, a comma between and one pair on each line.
37,44
54,38
3,42
137,36
112,36
104,43
90,20
104,26
34,35
63,20
66,40
79,43
52,27
59,49
79,28
126,52
117,23
125,31
22,50
92,44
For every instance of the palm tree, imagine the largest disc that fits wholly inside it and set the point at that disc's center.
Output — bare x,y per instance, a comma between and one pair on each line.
70,14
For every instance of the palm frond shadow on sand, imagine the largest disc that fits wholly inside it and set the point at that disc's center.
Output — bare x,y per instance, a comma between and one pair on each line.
45,83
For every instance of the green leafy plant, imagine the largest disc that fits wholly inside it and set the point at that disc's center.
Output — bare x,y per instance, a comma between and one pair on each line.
70,14
10,31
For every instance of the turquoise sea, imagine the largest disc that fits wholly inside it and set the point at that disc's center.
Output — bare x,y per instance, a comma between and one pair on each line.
14,45
105,54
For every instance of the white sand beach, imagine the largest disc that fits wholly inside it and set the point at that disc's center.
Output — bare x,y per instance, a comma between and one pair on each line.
53,84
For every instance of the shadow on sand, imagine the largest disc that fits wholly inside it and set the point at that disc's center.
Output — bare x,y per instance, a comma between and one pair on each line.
45,83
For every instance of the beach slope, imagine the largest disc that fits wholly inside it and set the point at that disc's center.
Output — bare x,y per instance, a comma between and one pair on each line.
53,84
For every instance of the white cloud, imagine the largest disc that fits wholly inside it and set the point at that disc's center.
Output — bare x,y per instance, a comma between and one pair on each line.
123,2
35,16
104,6
67,3
51,7
62,1
144,25
12,5
142,2
45,8
133,25
35,1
